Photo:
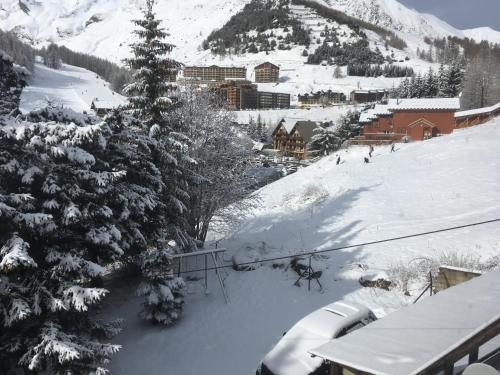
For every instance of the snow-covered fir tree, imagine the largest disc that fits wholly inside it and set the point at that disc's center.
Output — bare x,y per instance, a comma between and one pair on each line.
348,126
58,230
451,84
446,83
152,70
162,290
12,81
324,141
152,98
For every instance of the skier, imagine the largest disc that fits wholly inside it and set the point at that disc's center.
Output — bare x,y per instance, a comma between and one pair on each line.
367,160
338,159
371,151
393,147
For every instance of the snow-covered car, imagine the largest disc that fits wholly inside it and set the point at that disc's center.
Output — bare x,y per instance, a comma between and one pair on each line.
291,355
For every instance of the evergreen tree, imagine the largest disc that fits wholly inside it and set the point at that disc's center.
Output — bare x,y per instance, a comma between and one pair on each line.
152,98
11,85
348,126
160,287
149,92
261,130
430,84
442,81
324,141
453,81
59,227
51,57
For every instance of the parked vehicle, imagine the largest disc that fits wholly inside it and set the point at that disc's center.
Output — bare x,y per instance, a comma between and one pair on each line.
290,355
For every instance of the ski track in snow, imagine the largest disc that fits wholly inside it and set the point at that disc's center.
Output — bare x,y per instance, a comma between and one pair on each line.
424,186
70,87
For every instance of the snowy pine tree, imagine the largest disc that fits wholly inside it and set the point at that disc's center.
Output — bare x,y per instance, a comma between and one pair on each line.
58,229
152,70
12,82
452,83
160,287
151,101
324,141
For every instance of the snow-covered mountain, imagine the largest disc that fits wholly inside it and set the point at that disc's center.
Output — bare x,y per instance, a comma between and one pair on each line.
483,33
102,27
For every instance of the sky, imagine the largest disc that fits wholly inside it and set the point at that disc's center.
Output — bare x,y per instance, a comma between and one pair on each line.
463,14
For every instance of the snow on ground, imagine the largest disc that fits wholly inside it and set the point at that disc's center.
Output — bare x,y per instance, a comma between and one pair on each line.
70,86
424,186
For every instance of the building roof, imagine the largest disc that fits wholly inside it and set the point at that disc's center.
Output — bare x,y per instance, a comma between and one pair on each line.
424,104
266,64
306,129
477,111
213,66
106,104
414,337
368,91
288,123
367,116
381,110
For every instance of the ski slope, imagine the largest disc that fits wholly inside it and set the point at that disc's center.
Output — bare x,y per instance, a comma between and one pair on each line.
70,87
423,186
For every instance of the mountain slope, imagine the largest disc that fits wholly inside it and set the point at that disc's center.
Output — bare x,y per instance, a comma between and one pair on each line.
483,33
70,86
421,187
393,15
91,25
103,27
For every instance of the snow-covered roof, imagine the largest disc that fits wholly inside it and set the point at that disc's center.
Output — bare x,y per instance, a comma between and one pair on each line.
412,338
290,355
369,91
477,111
266,64
288,123
106,104
381,110
259,146
367,116
428,103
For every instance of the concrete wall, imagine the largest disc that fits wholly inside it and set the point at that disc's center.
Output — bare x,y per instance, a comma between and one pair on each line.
451,276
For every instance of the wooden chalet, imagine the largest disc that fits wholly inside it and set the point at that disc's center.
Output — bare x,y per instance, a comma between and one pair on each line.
412,119
290,137
472,117
267,72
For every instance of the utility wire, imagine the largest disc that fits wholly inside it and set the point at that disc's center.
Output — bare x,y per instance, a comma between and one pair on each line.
314,252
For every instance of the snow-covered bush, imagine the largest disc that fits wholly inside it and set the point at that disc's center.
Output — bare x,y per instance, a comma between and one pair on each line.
160,287
411,276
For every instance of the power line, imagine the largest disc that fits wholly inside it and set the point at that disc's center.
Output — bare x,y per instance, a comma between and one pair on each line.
314,252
